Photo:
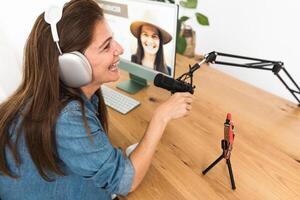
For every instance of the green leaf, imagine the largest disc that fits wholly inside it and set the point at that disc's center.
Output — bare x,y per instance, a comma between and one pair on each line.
183,18
189,3
202,19
180,45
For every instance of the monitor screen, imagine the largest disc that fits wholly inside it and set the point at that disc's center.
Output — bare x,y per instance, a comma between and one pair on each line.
146,30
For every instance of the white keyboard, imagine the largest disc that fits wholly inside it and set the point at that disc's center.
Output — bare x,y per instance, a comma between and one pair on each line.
118,101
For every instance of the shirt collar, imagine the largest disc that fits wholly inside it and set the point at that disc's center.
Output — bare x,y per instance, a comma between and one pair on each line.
92,103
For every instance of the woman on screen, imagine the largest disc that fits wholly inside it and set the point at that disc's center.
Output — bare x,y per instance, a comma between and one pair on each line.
54,140
150,41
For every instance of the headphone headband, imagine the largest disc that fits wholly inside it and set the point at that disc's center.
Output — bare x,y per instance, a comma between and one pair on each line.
52,16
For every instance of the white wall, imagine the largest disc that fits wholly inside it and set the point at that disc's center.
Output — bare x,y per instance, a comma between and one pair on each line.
2,95
16,20
256,28
10,75
266,29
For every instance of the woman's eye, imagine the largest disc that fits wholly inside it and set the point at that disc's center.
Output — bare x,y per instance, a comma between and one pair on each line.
154,36
107,47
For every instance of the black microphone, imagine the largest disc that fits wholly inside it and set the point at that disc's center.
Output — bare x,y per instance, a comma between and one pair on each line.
172,85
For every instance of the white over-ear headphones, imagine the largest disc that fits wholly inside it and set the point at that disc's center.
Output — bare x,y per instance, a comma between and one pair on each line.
74,68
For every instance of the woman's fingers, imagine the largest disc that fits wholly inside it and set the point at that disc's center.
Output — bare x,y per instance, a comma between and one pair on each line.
188,107
188,100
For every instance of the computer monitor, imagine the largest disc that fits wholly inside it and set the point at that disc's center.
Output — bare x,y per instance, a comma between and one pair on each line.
147,32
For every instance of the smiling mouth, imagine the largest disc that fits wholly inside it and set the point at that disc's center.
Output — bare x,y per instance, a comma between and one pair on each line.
114,66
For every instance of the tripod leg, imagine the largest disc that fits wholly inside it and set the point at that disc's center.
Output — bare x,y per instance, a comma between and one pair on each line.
212,165
230,174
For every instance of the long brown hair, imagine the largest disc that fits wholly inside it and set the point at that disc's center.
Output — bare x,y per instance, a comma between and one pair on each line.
41,96
159,62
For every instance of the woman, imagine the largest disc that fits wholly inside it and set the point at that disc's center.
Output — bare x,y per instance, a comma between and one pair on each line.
150,41
53,139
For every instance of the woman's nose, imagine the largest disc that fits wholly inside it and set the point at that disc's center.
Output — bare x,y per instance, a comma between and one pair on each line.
149,42
118,50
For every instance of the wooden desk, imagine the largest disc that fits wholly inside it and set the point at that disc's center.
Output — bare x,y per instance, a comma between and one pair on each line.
266,154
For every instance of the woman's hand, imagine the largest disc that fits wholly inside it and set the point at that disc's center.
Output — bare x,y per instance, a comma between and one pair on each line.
178,105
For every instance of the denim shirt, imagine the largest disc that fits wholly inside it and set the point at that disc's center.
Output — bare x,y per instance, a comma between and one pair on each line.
94,168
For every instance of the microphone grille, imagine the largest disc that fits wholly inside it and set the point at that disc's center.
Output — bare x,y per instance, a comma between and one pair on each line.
157,80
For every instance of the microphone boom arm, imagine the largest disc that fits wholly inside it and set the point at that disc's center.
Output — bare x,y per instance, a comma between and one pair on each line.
260,64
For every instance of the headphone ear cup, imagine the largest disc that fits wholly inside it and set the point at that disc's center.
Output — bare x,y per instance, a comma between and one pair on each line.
74,69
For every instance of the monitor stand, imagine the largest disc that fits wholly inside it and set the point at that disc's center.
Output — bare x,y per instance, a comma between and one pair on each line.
133,85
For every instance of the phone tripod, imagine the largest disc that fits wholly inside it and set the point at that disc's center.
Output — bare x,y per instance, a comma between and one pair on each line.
226,145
